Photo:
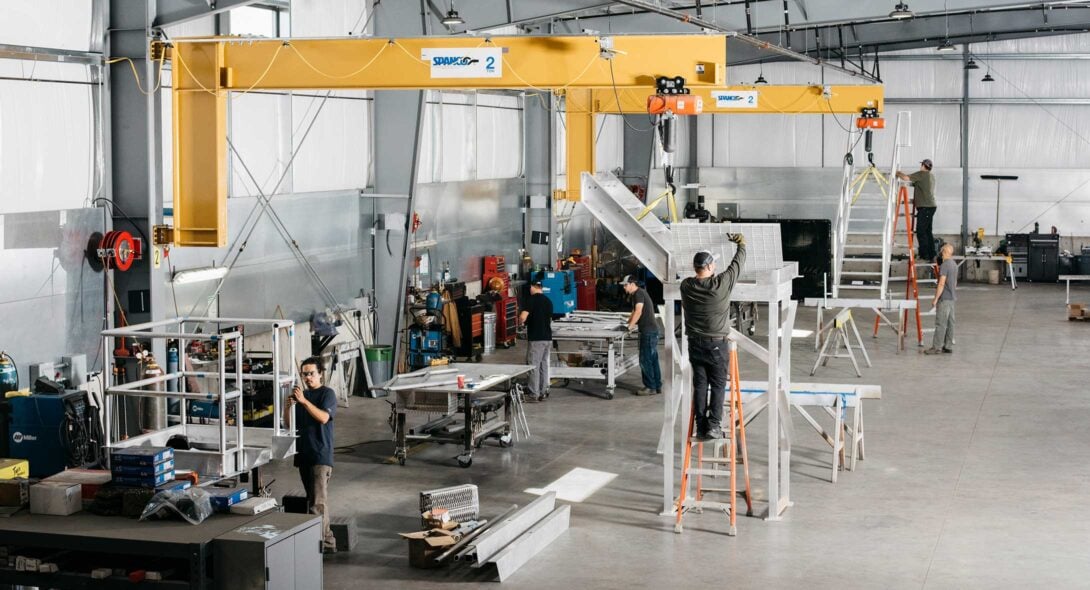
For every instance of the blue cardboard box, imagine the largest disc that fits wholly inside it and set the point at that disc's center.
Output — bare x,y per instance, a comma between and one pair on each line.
223,498
145,482
143,470
140,455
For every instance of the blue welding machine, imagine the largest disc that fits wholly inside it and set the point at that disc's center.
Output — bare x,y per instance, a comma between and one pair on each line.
53,431
559,287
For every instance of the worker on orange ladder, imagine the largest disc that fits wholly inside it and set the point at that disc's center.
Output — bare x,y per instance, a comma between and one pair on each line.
923,197
705,299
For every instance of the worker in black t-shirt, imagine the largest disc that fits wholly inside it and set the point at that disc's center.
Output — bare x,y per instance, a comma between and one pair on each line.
643,316
538,319
314,407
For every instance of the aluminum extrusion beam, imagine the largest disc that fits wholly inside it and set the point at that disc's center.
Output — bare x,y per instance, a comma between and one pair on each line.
50,54
500,535
531,542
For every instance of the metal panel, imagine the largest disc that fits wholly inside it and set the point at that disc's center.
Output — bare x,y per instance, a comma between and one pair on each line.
531,542
615,206
498,536
54,303
764,251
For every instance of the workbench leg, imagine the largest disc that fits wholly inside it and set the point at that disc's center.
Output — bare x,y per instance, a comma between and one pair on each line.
466,458
507,400
401,450
611,369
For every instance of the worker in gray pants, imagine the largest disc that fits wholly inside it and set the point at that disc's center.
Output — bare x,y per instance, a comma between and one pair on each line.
538,319
945,298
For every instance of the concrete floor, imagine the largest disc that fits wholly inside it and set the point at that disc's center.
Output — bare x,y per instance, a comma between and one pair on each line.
976,476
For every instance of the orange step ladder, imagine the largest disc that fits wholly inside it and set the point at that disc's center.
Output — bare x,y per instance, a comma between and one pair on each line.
724,453
906,210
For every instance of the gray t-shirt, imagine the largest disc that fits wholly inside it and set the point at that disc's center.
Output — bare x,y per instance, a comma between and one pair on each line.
949,269
646,323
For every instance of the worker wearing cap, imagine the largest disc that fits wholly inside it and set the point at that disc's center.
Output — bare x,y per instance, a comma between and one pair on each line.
538,319
643,317
705,299
923,195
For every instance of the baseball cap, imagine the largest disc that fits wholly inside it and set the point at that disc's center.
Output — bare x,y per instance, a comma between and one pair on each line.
703,258
628,279
535,284
926,163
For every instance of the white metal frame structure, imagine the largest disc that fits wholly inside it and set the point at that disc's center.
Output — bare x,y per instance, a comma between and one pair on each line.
667,253
883,302
217,450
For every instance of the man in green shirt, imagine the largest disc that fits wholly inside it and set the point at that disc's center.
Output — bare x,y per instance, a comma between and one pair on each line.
923,195
705,299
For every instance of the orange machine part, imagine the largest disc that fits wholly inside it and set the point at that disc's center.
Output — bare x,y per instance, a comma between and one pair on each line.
870,123
678,104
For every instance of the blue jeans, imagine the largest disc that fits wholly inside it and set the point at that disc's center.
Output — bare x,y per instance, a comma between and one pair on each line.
649,360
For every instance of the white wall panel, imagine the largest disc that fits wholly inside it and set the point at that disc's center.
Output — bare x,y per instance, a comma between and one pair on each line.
499,137
46,146
258,129
59,24
325,18
1029,136
1032,78
337,153
922,79
609,143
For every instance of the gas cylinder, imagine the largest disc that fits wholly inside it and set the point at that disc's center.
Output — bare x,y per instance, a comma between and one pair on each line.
153,415
434,302
9,375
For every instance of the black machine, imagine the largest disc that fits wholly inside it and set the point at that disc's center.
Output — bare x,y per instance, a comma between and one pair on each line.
810,243
1044,258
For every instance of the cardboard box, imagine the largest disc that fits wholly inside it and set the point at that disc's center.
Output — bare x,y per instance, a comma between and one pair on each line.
140,455
223,498
90,480
143,470
425,546
144,482
1076,310
14,492
252,506
14,468
58,499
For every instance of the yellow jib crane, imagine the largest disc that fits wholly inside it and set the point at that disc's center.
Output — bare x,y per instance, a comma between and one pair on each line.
589,72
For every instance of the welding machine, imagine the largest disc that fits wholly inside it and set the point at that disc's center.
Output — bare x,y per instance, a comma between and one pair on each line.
54,431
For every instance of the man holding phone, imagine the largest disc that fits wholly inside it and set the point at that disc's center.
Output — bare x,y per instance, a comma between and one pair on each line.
314,408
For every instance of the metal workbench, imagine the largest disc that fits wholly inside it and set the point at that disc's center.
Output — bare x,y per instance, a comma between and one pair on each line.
599,354
435,391
174,544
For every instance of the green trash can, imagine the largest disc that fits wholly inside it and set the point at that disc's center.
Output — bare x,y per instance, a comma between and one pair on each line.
379,363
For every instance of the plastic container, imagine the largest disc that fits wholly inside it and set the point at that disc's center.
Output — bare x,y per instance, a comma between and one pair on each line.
489,332
993,277
379,360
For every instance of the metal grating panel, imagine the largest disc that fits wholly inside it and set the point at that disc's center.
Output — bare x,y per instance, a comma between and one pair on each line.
764,251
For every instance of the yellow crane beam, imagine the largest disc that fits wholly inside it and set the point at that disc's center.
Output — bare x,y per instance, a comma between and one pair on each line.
206,70
741,100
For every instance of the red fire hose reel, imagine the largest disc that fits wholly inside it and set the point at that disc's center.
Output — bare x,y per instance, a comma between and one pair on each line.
118,250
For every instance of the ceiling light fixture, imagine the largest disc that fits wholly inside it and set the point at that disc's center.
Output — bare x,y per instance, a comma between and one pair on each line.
971,65
901,12
760,79
199,275
452,17
987,78
946,46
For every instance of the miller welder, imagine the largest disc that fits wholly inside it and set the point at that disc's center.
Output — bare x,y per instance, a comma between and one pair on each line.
54,430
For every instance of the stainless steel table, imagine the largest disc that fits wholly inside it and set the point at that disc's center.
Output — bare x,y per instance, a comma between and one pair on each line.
435,391
599,339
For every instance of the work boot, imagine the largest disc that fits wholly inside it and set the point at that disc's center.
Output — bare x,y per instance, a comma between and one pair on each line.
932,351
644,391
714,432
948,350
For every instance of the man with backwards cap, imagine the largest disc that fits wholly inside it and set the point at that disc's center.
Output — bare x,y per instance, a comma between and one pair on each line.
643,316
923,195
705,300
